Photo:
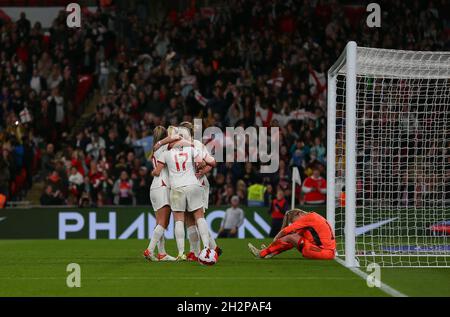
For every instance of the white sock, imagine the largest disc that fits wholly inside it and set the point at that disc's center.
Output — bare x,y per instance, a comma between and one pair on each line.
157,233
204,232
212,242
179,236
162,245
194,240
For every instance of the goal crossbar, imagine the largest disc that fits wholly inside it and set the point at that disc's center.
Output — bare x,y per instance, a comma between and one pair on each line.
395,63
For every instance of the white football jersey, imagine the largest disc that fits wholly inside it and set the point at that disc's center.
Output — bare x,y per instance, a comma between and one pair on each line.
180,162
203,152
163,178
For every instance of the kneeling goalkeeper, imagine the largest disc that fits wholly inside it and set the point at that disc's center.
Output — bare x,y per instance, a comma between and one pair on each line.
308,231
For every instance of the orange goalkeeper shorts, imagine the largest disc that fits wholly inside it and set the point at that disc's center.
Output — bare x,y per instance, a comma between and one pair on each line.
311,251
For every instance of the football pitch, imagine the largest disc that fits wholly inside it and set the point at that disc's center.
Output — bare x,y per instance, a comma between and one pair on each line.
117,268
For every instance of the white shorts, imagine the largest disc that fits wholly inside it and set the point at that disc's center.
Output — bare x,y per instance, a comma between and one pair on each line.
205,197
188,198
159,197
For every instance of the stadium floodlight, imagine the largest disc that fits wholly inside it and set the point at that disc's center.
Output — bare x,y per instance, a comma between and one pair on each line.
388,163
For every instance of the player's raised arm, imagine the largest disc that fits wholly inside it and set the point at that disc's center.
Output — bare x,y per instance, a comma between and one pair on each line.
181,142
290,223
167,140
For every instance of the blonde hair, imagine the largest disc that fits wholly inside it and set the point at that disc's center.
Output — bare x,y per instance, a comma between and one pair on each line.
188,125
159,133
171,130
185,133
291,215
241,185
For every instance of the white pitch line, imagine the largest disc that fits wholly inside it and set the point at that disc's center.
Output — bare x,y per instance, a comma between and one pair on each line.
179,278
384,287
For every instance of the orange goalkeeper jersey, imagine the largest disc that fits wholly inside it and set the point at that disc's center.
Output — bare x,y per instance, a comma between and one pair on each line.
314,228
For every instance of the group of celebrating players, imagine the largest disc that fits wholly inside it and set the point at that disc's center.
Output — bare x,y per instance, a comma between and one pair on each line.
180,186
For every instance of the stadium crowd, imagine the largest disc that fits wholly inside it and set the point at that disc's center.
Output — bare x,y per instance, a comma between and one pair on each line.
45,79
250,63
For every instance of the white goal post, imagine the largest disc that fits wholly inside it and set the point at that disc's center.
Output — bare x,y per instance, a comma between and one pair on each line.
388,162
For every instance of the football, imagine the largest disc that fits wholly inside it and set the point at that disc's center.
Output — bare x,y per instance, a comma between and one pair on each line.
207,257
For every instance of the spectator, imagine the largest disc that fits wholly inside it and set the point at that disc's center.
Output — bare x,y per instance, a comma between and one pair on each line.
23,26
55,78
106,189
50,197
75,181
54,179
234,218
87,188
37,82
256,195
315,188
103,77
85,200
48,159
95,179
268,195
123,189
318,151
277,211
97,143
4,172
141,187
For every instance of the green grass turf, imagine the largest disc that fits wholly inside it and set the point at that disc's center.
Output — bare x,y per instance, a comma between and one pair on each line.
116,268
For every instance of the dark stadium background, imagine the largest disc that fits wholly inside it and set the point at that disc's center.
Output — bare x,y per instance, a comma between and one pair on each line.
83,98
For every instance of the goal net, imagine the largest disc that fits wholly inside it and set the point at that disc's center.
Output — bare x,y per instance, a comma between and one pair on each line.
388,163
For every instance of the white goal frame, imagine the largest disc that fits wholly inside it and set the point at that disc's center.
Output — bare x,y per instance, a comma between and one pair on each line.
351,65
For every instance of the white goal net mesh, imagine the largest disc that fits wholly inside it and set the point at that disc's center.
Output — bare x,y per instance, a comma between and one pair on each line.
402,159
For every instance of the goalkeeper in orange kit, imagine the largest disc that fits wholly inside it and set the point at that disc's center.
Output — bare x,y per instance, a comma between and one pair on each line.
309,232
